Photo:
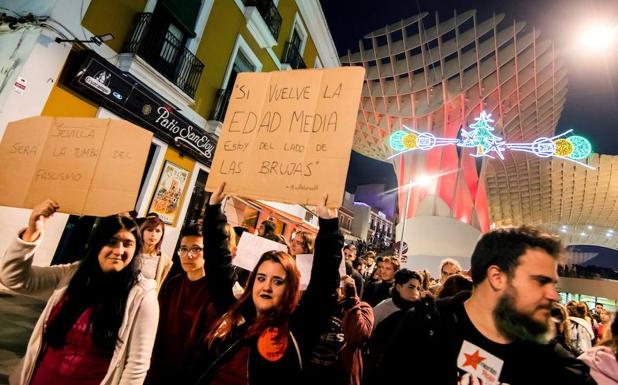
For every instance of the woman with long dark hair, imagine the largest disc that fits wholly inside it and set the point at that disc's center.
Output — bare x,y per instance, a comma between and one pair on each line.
155,264
262,337
101,316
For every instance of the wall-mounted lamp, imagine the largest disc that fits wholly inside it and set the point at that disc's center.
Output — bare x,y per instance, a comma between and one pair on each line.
96,39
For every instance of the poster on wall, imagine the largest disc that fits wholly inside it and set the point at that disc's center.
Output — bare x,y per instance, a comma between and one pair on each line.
169,192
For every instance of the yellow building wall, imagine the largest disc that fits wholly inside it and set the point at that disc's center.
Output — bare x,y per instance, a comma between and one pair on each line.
310,54
225,23
288,10
63,103
214,51
105,16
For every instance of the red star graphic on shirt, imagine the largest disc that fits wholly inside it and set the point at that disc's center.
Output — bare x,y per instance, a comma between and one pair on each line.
473,359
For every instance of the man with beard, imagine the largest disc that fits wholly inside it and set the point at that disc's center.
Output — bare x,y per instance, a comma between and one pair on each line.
496,333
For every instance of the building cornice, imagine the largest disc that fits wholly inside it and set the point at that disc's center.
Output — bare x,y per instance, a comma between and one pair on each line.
314,19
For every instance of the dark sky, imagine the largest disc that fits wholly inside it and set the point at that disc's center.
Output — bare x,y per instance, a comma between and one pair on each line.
591,108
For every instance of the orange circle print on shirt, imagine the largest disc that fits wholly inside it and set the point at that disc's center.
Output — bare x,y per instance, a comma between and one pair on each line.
270,347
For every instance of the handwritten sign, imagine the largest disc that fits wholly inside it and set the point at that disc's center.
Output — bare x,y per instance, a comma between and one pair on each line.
304,263
251,247
287,135
89,166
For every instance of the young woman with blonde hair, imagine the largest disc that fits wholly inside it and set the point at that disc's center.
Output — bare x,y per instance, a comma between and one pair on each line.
155,264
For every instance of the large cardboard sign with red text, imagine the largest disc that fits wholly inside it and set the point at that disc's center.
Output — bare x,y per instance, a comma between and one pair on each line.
89,166
287,135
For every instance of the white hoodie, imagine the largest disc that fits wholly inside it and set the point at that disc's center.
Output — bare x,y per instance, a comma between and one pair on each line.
581,334
603,365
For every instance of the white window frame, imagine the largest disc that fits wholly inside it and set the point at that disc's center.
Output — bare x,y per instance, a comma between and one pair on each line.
150,5
302,31
318,63
242,45
200,25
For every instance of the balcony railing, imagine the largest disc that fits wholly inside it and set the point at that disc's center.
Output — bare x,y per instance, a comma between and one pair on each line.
292,56
221,102
269,13
165,53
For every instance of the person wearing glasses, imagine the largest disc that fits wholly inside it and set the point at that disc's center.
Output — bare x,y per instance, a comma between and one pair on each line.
186,313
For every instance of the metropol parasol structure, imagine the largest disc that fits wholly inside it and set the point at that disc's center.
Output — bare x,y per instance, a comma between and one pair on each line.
466,111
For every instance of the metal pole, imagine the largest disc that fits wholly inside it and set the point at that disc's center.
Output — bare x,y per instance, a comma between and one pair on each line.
405,217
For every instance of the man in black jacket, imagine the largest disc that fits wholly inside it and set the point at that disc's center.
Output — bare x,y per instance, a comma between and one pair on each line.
494,335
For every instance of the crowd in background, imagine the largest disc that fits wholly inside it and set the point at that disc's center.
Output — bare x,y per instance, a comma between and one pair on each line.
119,317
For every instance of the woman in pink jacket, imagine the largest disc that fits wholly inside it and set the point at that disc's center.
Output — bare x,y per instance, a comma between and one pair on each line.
101,316
603,358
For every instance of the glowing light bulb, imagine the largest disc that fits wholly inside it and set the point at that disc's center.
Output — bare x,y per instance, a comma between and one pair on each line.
598,37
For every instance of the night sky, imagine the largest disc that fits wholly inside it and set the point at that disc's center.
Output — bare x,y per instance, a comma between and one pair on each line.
591,108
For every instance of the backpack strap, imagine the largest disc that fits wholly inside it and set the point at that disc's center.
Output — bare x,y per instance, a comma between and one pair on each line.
297,349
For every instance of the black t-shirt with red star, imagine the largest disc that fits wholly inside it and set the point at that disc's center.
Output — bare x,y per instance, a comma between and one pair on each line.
483,362
436,343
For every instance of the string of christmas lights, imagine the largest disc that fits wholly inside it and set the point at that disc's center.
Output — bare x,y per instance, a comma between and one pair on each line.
480,136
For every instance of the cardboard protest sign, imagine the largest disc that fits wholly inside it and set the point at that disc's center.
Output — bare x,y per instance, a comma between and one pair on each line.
89,166
304,263
251,247
287,135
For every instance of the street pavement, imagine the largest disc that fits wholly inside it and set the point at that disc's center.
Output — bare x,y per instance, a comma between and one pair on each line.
18,314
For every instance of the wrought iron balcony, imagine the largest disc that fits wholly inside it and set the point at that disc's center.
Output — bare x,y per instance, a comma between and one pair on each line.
269,13
165,53
221,103
292,56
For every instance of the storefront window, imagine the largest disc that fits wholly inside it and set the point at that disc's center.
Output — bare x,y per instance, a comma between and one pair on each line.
250,218
279,226
199,198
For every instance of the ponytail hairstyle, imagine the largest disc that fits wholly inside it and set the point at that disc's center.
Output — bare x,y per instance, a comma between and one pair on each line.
244,307
106,293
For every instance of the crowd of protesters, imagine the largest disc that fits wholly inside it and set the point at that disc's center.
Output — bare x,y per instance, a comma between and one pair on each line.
118,317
